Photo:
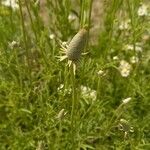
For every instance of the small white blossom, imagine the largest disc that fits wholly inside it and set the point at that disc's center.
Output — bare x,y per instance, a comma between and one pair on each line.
124,68
88,93
127,100
124,25
134,59
64,44
125,126
128,47
138,48
142,11
13,44
10,3
100,72
61,89
115,58
52,36
61,114
72,17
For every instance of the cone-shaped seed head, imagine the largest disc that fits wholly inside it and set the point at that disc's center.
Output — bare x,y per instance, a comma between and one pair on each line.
76,45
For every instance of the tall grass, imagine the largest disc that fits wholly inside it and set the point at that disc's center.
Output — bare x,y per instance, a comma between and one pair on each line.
44,105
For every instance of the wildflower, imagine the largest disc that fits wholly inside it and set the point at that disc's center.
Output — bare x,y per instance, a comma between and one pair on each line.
72,17
125,127
52,36
74,49
142,11
61,89
134,59
138,47
125,101
124,25
101,73
61,114
128,47
124,68
13,44
10,3
88,93
115,58
64,44
76,45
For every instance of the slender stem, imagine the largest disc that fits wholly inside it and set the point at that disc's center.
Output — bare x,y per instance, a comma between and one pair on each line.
90,11
82,13
132,17
24,37
118,112
31,20
73,122
98,88
59,135
89,21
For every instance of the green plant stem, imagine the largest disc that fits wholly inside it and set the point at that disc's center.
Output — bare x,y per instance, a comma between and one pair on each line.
118,112
24,38
59,135
98,88
82,13
89,21
31,20
132,17
74,103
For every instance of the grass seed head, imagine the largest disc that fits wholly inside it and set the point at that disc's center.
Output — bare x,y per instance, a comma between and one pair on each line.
76,45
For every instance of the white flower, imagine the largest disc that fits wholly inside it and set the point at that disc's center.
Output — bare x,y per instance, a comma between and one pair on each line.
138,48
52,36
124,25
142,11
100,72
125,127
128,47
61,114
134,59
64,44
72,17
124,68
125,101
11,3
88,93
115,58
61,89
13,44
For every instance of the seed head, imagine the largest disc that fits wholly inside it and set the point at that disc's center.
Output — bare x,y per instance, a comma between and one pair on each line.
76,45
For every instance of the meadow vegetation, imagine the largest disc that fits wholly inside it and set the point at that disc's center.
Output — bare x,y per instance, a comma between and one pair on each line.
102,104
